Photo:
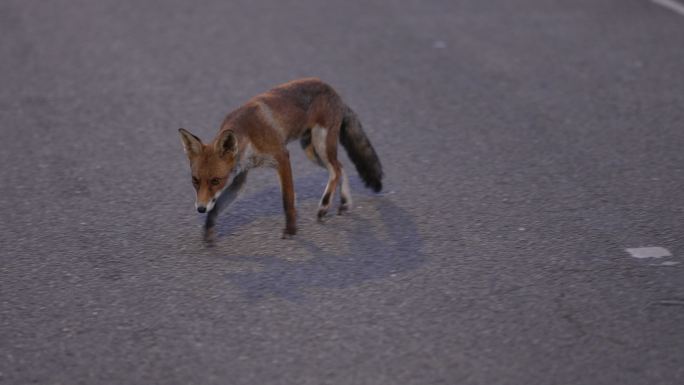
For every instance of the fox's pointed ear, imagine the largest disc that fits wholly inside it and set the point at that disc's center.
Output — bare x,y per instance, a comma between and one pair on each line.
191,144
226,144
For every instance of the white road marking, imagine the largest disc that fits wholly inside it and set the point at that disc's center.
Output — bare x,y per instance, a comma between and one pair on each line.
671,5
649,252
666,263
670,302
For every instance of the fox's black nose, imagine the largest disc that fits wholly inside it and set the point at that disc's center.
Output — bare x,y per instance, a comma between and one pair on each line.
201,209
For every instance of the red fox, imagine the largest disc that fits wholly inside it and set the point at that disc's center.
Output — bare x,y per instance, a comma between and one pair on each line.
256,135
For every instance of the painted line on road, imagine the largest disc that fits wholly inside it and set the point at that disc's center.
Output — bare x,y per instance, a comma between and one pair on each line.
666,263
671,5
653,252
649,252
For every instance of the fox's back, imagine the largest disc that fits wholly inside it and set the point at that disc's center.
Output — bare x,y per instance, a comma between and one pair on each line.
301,93
292,107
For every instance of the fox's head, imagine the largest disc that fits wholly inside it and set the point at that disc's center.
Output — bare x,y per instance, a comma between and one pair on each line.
211,165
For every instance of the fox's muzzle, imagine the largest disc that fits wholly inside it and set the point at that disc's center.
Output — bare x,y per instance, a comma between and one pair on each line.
205,208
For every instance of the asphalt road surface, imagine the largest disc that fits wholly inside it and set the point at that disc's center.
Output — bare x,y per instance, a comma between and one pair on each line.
526,145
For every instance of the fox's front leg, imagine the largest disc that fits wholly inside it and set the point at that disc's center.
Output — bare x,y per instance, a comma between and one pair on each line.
287,188
224,200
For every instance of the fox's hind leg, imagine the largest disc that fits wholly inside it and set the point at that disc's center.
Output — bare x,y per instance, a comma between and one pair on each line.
323,160
308,148
324,146
345,194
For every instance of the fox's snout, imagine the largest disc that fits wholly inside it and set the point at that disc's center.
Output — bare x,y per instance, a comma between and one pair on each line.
205,208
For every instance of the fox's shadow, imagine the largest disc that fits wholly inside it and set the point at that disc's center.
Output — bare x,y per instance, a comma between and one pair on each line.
374,249
267,202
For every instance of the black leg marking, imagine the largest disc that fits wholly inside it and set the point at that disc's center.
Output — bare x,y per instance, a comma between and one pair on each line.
209,235
211,220
343,206
326,199
209,227
324,204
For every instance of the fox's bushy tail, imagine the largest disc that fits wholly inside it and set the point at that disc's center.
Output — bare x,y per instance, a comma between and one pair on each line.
360,150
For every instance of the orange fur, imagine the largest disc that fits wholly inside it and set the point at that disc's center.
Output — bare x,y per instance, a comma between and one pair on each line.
256,134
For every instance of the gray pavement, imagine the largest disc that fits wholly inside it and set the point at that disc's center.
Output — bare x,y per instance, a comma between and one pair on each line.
527,144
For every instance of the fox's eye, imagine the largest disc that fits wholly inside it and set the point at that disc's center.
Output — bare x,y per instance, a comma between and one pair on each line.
215,181
195,181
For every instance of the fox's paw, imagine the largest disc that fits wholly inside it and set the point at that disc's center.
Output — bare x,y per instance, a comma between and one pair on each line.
289,231
343,208
321,213
209,235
